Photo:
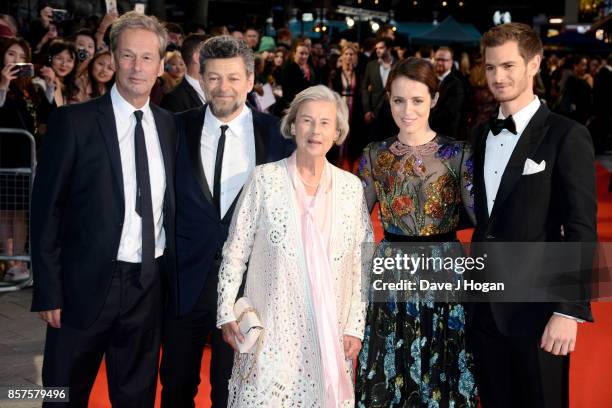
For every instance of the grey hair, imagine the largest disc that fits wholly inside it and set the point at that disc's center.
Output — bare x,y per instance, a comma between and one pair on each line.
317,93
134,20
226,46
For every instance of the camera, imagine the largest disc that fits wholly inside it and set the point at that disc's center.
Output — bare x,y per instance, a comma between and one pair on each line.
59,15
26,70
82,54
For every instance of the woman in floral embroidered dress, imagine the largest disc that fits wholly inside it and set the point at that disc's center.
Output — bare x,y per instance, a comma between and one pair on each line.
414,351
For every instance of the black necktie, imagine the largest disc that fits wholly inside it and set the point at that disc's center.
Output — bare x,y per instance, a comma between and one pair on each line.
144,204
497,125
218,168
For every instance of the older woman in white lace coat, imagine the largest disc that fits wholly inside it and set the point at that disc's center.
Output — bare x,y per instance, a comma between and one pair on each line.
300,225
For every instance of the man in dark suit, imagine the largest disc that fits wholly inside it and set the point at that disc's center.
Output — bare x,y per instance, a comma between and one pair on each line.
219,145
102,227
189,93
446,116
534,181
377,114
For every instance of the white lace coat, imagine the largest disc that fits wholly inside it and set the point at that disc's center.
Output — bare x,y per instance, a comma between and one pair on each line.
265,232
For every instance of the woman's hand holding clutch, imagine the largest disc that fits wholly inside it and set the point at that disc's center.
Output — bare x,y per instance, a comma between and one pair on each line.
231,333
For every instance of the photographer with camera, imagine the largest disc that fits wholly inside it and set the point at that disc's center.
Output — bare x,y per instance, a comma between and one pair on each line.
86,48
23,105
43,30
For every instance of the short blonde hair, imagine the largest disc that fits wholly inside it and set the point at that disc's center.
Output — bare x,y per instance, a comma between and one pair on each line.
317,93
170,55
134,20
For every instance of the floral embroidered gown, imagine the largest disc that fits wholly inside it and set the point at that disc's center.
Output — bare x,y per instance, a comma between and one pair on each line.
414,352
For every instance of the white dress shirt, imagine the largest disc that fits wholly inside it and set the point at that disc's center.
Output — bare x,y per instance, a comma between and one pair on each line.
499,149
384,71
238,155
195,84
497,155
130,246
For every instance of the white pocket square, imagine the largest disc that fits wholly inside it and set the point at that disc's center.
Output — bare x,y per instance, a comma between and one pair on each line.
532,167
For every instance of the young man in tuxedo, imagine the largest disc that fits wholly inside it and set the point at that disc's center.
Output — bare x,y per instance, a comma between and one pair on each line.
102,227
521,349
219,144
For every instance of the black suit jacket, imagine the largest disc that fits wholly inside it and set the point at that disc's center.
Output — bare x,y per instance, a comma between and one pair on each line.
78,208
200,232
182,98
372,89
534,208
293,82
446,116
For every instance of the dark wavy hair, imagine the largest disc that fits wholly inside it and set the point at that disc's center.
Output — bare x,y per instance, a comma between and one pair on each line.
9,42
20,86
225,46
57,46
94,84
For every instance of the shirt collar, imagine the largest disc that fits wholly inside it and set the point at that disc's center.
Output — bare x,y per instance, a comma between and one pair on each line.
444,75
236,125
195,84
522,117
124,111
382,63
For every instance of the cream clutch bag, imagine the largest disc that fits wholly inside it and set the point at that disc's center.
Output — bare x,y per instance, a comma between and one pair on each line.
249,324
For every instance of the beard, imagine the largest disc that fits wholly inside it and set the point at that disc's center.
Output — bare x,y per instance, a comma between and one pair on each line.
222,111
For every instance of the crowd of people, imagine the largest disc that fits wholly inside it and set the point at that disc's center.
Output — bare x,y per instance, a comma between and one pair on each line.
73,65
148,222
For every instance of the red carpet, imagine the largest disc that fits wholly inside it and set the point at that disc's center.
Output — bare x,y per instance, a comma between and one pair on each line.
591,363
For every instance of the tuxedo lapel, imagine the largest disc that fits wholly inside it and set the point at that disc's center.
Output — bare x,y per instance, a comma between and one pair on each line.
193,136
108,128
529,141
480,197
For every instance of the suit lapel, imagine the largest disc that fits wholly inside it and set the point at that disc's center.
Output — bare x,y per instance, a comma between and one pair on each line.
481,206
192,93
108,128
261,140
528,142
165,135
193,136
377,77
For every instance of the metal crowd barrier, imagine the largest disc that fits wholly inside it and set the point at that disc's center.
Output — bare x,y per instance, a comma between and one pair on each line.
15,194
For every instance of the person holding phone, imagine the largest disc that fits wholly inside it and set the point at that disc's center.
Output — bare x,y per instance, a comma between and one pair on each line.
25,102
23,105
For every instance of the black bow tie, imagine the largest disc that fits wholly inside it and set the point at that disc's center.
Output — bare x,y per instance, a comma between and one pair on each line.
497,125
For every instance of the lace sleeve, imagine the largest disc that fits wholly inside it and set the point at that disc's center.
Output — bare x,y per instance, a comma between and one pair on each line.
467,176
365,174
361,265
237,248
